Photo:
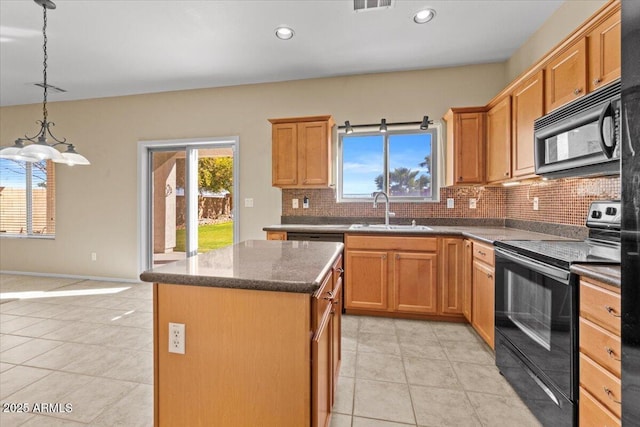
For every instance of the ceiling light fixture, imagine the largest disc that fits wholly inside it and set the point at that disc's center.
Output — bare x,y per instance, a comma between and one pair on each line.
383,125
423,16
347,128
40,148
284,33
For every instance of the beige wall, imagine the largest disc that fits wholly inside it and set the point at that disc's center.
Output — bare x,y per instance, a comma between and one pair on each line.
567,18
97,205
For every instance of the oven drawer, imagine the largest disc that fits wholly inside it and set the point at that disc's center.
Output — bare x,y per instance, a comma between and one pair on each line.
600,305
602,384
600,345
483,252
593,414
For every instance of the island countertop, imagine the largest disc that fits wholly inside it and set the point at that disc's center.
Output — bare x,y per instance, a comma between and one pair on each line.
267,265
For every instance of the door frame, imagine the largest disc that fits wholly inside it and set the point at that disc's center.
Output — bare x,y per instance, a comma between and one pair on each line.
145,195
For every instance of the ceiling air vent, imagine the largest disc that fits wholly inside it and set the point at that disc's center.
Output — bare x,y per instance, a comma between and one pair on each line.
363,5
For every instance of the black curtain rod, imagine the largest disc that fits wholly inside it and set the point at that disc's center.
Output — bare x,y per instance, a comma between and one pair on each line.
388,124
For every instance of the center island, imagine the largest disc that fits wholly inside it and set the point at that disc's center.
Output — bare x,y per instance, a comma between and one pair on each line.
262,329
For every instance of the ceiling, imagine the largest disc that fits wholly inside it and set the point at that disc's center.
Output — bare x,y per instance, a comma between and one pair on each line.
106,48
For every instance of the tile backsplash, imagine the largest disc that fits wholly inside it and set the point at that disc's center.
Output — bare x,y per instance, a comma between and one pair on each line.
564,201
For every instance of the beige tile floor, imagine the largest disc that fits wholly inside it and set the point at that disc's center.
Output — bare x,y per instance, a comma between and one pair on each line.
89,343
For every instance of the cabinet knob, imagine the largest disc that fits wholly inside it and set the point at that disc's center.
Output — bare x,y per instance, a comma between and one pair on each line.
489,276
611,311
611,353
577,91
610,394
460,178
329,297
597,81
506,174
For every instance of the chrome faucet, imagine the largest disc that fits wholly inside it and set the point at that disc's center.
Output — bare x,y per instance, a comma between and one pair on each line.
387,214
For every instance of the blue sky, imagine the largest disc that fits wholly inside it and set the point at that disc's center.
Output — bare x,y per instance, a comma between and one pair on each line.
363,158
12,174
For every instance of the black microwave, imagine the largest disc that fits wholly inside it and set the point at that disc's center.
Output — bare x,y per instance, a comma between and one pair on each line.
581,138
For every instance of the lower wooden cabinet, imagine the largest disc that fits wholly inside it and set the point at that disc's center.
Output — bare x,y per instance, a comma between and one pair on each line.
483,292
321,354
276,235
407,275
467,264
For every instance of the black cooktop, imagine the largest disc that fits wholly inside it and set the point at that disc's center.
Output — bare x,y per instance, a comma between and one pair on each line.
563,253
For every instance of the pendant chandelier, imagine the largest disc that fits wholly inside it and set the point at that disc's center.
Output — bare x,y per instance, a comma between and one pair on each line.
39,147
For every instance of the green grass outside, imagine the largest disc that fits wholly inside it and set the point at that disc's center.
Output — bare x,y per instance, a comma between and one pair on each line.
211,236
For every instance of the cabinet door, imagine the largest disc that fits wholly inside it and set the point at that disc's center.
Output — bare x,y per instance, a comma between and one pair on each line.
467,262
336,337
528,105
469,148
451,257
566,76
321,374
366,280
499,141
313,153
284,155
482,311
415,282
604,52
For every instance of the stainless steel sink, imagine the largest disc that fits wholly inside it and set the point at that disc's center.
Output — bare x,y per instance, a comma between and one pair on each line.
390,227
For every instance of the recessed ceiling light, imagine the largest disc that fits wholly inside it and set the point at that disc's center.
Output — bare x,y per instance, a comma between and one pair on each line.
284,33
423,16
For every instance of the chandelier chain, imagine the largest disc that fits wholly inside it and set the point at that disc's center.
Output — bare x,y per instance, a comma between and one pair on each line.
44,63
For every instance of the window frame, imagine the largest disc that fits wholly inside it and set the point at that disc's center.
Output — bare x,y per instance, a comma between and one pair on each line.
434,167
28,186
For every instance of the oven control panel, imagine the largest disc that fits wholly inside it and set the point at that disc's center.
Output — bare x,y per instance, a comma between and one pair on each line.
604,214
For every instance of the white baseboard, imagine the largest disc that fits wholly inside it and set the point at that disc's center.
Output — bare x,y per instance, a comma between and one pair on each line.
72,276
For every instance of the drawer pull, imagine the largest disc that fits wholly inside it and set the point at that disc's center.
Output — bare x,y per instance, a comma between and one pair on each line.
611,311
611,354
340,270
330,297
482,253
610,395
489,276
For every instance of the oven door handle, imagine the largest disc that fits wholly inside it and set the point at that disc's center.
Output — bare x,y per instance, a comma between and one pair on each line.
547,270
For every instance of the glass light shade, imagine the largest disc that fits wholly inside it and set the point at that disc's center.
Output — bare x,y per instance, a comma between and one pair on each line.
13,153
72,158
41,151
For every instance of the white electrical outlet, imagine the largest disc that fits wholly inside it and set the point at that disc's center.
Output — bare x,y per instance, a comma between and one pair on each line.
94,256
450,204
536,203
472,203
176,338
294,204
248,203
305,203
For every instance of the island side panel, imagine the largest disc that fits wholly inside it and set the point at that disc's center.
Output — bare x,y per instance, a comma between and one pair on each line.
247,358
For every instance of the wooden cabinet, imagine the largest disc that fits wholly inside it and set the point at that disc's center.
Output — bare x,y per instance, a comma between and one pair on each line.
604,51
251,358
467,264
600,354
499,141
301,152
400,274
451,256
566,75
528,105
276,235
465,145
483,292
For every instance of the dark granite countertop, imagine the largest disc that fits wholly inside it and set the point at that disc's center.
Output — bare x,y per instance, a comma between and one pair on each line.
484,234
609,274
266,265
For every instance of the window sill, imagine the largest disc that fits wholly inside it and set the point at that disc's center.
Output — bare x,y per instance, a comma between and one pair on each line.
27,236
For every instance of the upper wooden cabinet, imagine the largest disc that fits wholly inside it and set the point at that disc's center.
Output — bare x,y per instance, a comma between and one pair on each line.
499,141
603,44
528,105
566,75
301,152
465,145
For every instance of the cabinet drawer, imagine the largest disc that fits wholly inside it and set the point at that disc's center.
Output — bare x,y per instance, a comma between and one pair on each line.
321,301
403,243
483,252
593,414
600,305
602,384
600,345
